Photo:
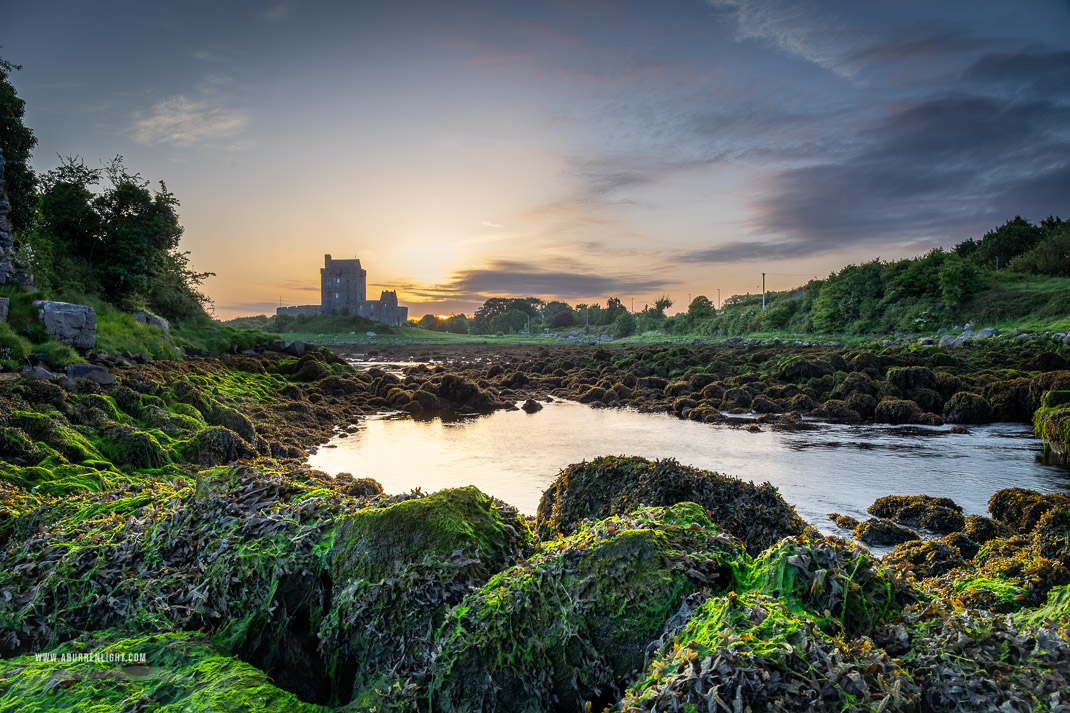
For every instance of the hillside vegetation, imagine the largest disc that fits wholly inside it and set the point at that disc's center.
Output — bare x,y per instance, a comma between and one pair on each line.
102,237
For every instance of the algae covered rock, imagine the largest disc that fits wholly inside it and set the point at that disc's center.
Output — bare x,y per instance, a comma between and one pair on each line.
1051,538
396,570
169,673
928,558
937,514
756,514
216,446
879,531
748,652
1021,509
965,407
572,623
832,581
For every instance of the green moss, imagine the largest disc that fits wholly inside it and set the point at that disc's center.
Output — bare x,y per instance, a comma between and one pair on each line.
1052,424
372,544
174,673
573,622
834,582
750,651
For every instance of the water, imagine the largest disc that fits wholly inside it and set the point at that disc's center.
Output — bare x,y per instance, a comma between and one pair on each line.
835,468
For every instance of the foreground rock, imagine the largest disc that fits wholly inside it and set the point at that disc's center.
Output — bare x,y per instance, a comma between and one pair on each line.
572,624
607,486
71,324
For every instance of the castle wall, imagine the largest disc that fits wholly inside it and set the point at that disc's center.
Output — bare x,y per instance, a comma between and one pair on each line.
307,310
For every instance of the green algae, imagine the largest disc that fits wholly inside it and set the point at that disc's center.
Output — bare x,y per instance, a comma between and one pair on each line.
166,673
572,622
749,652
835,583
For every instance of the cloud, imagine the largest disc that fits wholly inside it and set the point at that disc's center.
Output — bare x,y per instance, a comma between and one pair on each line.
815,35
181,121
276,13
519,279
489,224
942,168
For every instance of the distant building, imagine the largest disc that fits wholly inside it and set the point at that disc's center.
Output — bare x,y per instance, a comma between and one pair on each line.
344,288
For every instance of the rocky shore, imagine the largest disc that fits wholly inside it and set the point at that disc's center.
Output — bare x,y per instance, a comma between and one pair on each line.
163,541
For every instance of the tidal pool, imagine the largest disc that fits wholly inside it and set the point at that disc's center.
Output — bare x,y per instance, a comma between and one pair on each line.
833,468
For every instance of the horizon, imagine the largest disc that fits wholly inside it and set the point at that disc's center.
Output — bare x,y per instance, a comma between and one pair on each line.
562,151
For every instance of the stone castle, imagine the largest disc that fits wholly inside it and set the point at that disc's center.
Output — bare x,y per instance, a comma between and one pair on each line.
344,288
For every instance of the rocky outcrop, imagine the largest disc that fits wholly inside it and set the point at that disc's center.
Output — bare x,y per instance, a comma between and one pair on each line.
71,324
151,319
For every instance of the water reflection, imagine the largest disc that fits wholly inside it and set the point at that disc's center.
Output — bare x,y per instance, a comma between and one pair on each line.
834,468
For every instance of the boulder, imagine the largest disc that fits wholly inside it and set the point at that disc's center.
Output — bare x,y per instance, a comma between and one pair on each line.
93,372
71,324
151,319
4,303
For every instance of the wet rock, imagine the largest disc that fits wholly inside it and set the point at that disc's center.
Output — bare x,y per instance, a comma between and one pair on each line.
531,406
1020,509
216,446
965,407
936,514
929,558
609,485
912,377
796,369
1051,538
845,521
981,529
753,651
879,531
898,411
836,411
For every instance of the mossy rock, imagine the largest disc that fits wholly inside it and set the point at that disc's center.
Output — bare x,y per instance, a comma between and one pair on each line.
756,514
172,423
922,559
134,449
937,514
898,411
397,570
1051,538
1053,425
908,378
572,623
879,531
1021,509
233,420
796,369
965,407
180,673
748,652
215,446
981,529
15,444
374,542
835,582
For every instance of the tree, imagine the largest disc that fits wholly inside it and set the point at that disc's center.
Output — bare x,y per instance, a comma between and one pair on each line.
623,325
1051,256
1006,242
701,308
457,324
614,308
661,304
429,321
17,142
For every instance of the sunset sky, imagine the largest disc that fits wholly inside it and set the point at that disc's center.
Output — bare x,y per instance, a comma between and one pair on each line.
570,150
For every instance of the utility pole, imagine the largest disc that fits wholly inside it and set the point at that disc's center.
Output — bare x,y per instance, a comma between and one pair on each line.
763,291
633,305
718,299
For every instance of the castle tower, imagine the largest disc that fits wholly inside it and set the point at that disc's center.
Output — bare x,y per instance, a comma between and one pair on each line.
343,285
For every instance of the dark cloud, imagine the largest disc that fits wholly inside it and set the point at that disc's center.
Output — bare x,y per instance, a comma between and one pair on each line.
517,279
1045,74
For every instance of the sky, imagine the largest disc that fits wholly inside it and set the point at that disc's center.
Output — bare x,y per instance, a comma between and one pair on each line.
568,150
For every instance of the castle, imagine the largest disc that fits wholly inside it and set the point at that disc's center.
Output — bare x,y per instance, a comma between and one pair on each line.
343,288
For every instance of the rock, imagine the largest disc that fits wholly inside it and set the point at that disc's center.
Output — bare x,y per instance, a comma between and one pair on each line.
756,514
369,334
93,372
531,406
929,558
879,531
925,341
37,372
946,340
898,411
987,333
965,407
937,514
71,324
845,521
968,326
4,303
151,319
574,621
1022,338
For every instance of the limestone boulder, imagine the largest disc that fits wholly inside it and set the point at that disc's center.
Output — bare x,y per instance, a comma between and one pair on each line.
151,319
71,324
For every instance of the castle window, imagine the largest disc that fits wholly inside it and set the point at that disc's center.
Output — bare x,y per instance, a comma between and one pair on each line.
338,279
336,295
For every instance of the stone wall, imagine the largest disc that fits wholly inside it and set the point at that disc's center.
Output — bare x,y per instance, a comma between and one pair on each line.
7,241
307,310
